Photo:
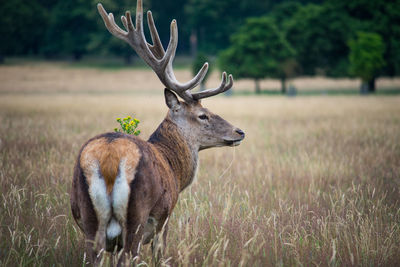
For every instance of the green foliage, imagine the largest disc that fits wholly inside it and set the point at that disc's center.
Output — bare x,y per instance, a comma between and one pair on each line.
317,30
366,55
282,13
101,41
320,36
164,12
198,62
214,21
128,125
70,28
22,27
381,17
257,50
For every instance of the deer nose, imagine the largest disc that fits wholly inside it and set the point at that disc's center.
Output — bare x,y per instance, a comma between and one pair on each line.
240,132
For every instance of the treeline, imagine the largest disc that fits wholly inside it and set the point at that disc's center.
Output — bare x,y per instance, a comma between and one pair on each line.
55,28
253,38
335,38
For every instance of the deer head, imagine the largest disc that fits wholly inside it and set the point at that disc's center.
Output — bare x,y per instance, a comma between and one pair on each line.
203,128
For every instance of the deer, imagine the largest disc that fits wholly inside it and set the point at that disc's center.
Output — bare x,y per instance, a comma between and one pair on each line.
124,188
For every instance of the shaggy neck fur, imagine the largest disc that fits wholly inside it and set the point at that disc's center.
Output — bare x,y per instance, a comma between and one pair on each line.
182,157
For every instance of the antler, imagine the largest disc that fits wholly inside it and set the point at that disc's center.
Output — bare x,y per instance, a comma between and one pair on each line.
156,57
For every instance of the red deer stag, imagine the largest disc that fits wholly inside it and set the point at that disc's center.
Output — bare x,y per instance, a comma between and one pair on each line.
124,188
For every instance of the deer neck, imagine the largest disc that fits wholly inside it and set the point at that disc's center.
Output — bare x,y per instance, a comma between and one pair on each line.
181,155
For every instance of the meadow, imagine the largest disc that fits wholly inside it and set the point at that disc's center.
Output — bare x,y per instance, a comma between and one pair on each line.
316,182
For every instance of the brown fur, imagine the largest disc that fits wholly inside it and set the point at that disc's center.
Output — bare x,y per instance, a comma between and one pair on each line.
175,149
109,155
157,170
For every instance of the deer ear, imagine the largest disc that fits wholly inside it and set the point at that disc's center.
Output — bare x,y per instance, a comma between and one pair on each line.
170,99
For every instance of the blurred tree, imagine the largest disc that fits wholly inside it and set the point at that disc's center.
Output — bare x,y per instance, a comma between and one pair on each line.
258,50
318,32
288,68
320,36
71,23
366,58
22,27
282,12
381,17
387,22
214,21
164,12
101,41
198,62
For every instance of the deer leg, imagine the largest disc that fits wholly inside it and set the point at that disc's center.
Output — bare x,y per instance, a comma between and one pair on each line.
90,225
133,239
102,207
90,252
94,249
95,244
159,242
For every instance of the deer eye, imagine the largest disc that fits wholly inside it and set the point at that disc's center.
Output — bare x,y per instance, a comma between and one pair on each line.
203,117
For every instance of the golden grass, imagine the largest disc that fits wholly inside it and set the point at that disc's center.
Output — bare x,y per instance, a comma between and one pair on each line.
315,182
45,77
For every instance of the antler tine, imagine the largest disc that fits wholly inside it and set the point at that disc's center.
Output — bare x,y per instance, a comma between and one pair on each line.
139,16
157,47
211,92
179,87
111,26
171,48
127,21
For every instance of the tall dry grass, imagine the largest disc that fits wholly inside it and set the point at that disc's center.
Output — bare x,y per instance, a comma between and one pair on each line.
315,182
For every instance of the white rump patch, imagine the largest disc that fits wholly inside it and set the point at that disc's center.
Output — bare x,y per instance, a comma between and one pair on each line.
120,194
111,210
98,195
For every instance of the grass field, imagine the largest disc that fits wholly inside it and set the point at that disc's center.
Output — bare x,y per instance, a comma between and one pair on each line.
315,182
